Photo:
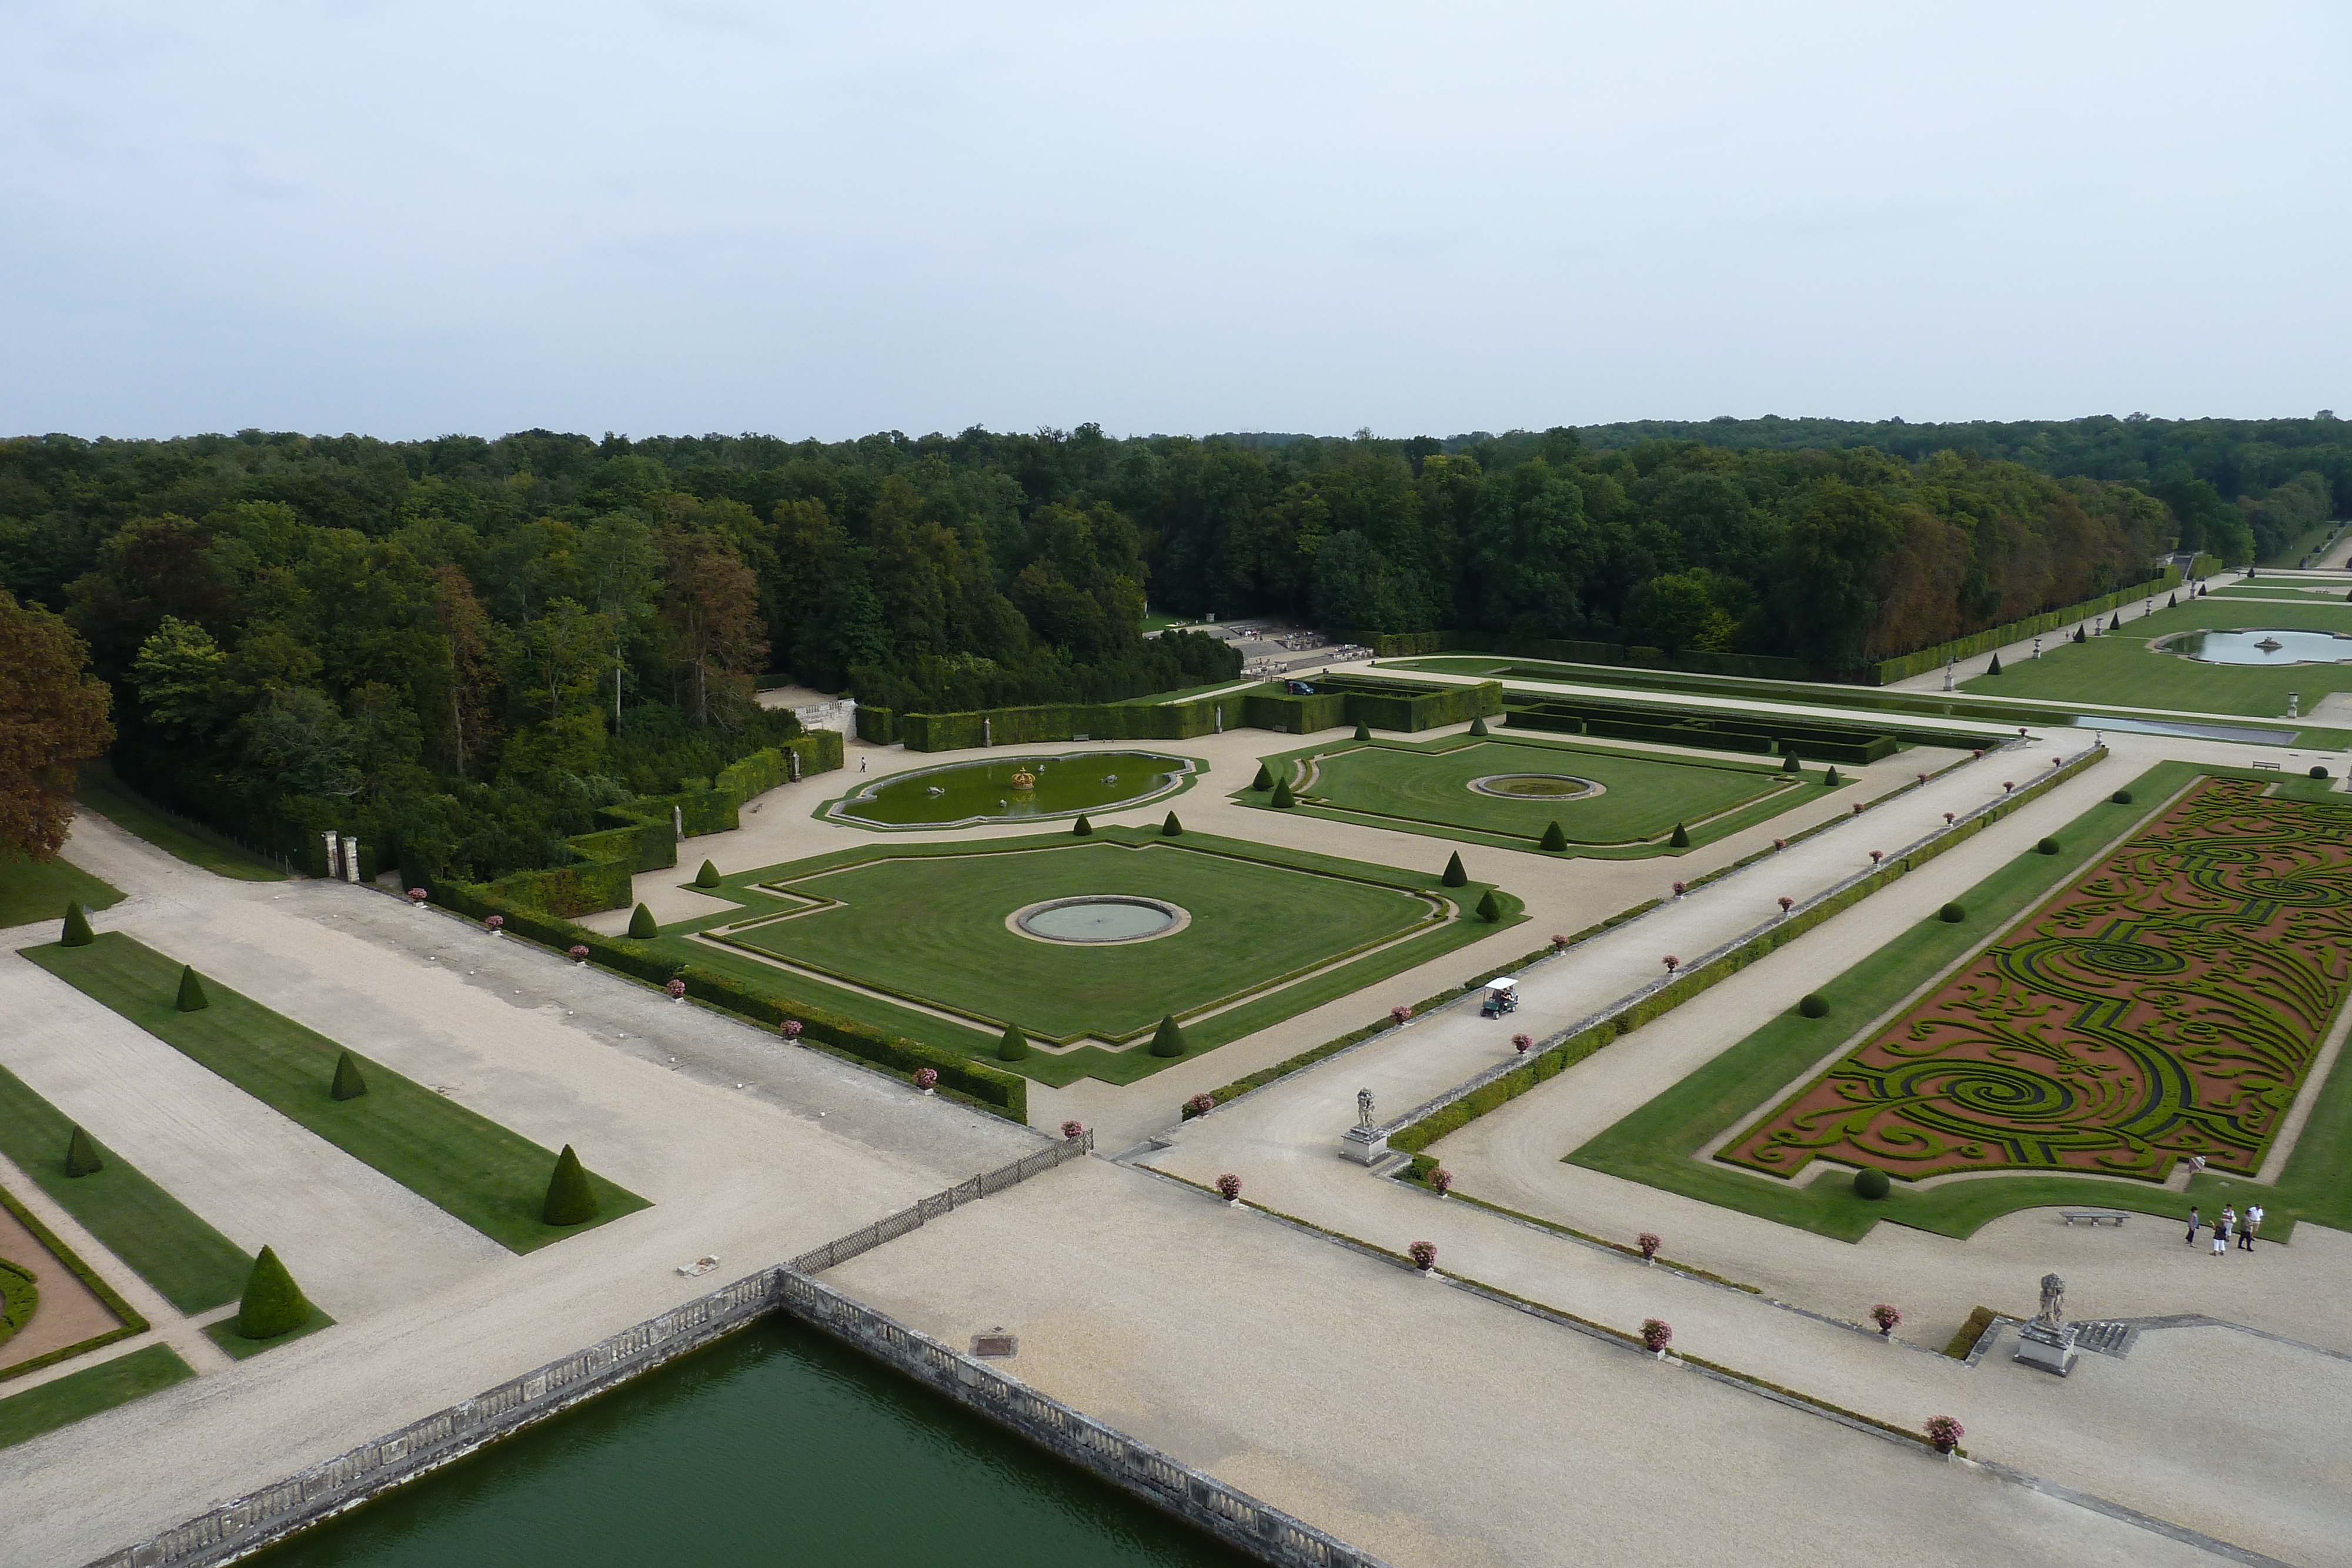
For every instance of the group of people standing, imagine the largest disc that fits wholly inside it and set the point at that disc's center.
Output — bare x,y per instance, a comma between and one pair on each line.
2228,1224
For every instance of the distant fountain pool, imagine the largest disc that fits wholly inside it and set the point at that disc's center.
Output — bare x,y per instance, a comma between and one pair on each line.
1014,789
2261,645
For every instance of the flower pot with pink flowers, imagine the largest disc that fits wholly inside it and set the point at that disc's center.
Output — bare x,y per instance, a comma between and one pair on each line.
1649,1244
496,925
1229,1187
1072,1129
578,952
1945,1434
1424,1258
1886,1318
1656,1335
926,1079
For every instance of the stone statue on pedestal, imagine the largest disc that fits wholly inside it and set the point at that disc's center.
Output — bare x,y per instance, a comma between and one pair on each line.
2048,1341
2054,1302
1363,1107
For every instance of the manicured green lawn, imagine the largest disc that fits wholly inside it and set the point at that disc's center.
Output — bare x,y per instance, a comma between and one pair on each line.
1424,787
493,1179
34,890
191,1265
24,1417
936,931
928,921
1657,1144
224,1335
135,816
2118,668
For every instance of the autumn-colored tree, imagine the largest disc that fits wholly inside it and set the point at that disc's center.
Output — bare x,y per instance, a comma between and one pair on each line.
52,719
710,622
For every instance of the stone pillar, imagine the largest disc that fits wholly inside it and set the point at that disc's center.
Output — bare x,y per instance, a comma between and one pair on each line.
678,821
351,860
793,767
1221,721
334,853
988,732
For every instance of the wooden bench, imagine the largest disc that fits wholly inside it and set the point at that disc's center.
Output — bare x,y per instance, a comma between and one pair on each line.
2093,1216
2272,766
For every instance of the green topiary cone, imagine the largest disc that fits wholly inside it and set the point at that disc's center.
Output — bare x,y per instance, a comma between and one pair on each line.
1172,827
1553,839
1830,778
77,933
348,1083
1490,908
81,1154
708,876
1681,841
1082,829
273,1302
1168,1039
1789,764
1363,732
2081,635
1455,876
1478,726
1013,1046
192,991
570,1199
1265,779
642,924
1283,798
1993,668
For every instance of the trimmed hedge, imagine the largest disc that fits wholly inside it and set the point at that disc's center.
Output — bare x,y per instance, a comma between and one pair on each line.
1002,1092
570,1199
1067,721
1872,1184
1502,1090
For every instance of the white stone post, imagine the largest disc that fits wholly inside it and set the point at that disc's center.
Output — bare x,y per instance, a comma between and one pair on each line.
351,860
334,853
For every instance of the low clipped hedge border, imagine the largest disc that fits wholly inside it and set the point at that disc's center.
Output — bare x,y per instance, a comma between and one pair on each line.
960,1076
1460,1113
131,1321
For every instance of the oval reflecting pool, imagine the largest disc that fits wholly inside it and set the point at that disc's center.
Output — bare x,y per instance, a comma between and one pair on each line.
1013,789
2261,645
1537,786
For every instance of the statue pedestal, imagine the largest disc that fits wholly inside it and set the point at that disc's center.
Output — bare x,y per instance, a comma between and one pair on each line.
1364,1145
2051,1349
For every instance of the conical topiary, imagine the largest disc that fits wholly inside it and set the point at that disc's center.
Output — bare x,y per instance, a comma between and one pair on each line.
1681,841
1082,829
1283,798
708,876
1363,732
348,1083
1455,876
1789,764
81,1154
191,997
1553,839
2081,635
1831,779
1490,908
2173,603
1168,1039
570,1199
1172,827
1265,779
2116,621
77,933
273,1302
1478,726
642,924
1013,1046
1993,668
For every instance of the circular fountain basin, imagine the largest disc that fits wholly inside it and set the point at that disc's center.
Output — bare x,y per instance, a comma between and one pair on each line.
1539,786
1016,788
1094,919
2261,645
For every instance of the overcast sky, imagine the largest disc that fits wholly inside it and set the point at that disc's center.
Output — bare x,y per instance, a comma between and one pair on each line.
415,219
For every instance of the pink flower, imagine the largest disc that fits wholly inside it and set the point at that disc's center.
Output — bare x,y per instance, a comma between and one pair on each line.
1443,1180
1399,1013
1558,939
925,1079
1230,1187
1523,1043
1423,1255
1679,889
1787,904
1672,963
495,922
579,952
417,895
1885,1317
1072,1129
677,988
1857,808
1780,844
1877,855
1202,1104
790,1028
1947,819
1657,1333
1648,1243
1945,1433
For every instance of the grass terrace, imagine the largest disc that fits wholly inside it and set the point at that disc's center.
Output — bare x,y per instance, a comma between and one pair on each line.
1616,802
34,890
2120,668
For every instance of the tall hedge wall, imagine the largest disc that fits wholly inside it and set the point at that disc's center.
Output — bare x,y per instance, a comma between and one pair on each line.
1890,669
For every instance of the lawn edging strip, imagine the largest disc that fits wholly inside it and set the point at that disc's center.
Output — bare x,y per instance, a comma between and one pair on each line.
130,1322
476,1170
65,1400
154,1234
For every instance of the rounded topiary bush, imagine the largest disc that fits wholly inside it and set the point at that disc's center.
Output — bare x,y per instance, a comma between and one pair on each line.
1951,914
2319,772
1013,1046
1789,764
1168,1039
1265,779
570,1199
1455,876
2121,798
2047,847
1554,838
642,924
708,876
1814,1005
1870,1182
273,1303
1478,726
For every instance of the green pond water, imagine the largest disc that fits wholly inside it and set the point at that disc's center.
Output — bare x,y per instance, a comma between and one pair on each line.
985,791
775,1445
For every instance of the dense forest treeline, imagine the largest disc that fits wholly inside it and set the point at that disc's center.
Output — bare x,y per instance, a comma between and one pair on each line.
427,638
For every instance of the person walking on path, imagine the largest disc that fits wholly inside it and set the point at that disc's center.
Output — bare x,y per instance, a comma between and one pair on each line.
2221,1233
2196,1223
2253,1223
